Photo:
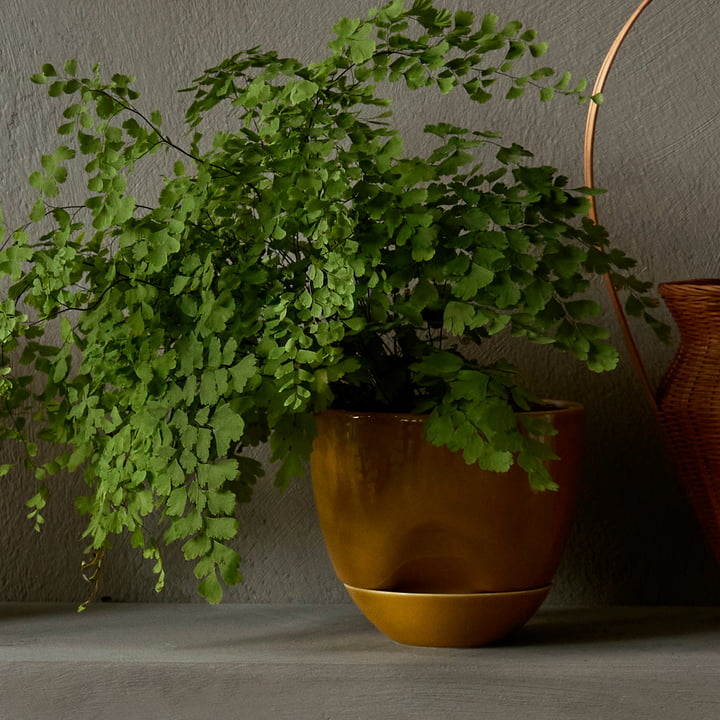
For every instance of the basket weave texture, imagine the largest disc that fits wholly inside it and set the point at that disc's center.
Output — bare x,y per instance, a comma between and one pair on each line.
689,398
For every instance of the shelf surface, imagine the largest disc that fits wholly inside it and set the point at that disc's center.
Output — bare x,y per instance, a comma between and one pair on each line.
326,662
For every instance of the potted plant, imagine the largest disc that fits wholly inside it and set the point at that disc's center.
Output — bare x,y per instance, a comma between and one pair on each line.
295,261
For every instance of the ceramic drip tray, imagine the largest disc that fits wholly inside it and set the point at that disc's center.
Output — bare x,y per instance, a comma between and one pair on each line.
447,619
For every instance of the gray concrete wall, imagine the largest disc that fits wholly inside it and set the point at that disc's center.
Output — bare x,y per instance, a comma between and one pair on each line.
635,540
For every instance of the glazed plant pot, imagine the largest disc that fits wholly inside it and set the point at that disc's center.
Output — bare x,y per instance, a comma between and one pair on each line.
433,551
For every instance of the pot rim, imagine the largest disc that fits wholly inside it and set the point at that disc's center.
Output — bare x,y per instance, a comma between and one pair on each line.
557,407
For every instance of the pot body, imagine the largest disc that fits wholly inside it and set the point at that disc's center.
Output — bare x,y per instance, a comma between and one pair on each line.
689,398
401,516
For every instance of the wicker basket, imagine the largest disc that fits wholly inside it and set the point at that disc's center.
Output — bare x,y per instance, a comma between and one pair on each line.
688,399
687,402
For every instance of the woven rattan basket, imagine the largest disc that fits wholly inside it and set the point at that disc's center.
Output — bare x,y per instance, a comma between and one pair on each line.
687,401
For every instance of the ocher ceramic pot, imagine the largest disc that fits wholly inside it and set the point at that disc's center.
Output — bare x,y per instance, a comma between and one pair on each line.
436,552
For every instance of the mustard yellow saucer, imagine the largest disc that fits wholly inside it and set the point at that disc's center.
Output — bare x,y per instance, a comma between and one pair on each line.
445,619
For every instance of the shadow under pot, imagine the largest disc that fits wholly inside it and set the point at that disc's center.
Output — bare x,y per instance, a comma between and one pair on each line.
433,551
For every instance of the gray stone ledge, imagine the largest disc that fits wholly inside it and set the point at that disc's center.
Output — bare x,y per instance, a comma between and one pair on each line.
326,662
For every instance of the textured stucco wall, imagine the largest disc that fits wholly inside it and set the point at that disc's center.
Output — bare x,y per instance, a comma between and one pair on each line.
635,541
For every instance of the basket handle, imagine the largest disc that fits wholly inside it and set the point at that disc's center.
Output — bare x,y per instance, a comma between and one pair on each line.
589,180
